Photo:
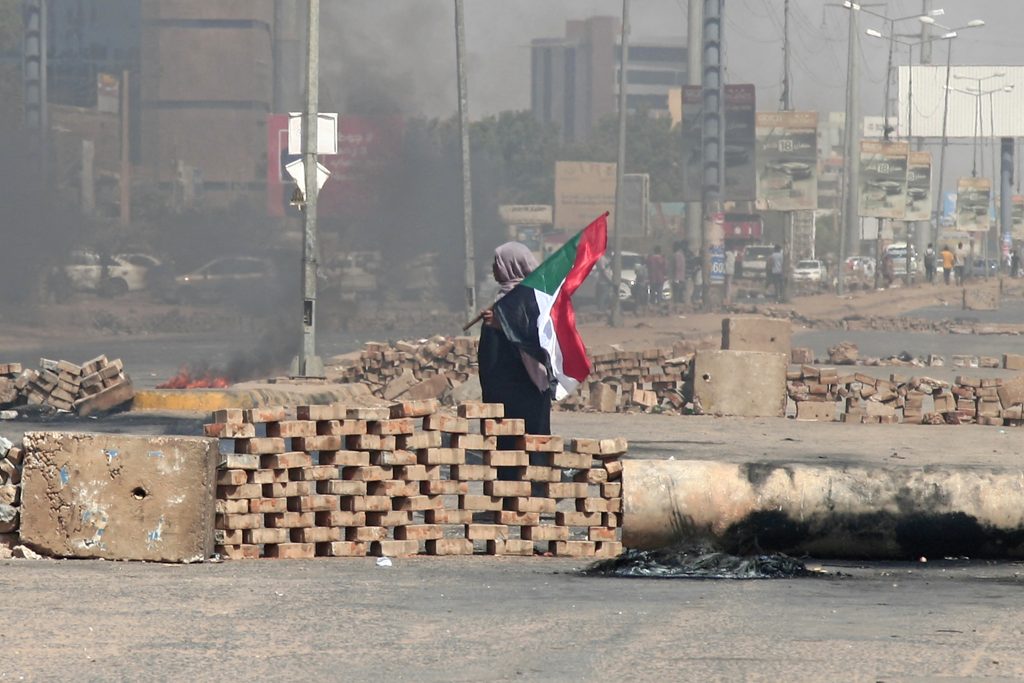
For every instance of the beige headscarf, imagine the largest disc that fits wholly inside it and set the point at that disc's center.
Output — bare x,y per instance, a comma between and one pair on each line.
513,261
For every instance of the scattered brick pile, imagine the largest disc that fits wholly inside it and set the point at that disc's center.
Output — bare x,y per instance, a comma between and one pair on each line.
650,380
406,479
915,400
95,386
10,491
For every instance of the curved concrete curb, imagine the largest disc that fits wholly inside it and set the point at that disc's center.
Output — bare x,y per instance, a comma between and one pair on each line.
251,395
825,511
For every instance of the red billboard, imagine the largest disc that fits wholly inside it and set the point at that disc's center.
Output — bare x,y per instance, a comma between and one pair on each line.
366,149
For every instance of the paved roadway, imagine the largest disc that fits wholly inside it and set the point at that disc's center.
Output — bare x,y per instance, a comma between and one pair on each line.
474,619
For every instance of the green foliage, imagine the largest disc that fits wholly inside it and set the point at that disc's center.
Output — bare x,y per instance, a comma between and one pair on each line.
653,146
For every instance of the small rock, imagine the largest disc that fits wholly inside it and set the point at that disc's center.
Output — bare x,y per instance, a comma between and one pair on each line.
25,553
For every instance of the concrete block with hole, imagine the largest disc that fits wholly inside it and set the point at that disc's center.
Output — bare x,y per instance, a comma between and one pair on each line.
119,497
756,333
740,383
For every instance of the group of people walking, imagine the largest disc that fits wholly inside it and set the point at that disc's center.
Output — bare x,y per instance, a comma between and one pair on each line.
953,261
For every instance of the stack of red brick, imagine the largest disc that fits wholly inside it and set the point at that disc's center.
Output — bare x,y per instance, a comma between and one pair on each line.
95,386
406,479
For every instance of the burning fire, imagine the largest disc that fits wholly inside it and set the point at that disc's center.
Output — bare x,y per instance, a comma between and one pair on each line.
204,379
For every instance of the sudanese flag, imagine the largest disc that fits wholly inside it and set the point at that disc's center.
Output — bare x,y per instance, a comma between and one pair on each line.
537,315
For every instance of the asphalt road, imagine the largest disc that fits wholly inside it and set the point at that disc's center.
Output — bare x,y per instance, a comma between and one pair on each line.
475,619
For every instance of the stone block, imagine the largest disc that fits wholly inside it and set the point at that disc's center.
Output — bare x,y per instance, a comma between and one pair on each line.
816,410
602,397
119,497
1011,392
756,333
1013,361
740,383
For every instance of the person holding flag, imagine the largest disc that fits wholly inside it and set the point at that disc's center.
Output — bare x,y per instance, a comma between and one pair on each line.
530,350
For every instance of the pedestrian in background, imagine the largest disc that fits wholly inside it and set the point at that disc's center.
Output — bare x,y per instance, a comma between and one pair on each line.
929,264
775,274
960,263
657,274
730,273
678,274
948,259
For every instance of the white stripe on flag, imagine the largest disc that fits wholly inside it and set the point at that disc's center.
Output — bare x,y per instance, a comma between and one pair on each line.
565,385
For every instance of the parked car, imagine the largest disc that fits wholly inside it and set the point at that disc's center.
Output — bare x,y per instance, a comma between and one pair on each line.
630,261
898,252
810,271
225,277
753,262
89,271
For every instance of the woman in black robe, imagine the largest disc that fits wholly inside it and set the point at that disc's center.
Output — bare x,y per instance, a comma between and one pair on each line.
507,375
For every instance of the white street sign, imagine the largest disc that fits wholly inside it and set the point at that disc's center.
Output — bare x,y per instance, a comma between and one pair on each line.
297,170
326,133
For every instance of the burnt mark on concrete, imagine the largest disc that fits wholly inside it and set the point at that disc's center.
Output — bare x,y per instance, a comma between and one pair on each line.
758,473
877,535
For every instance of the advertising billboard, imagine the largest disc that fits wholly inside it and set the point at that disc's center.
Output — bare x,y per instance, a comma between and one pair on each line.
583,191
1018,217
693,169
883,179
973,198
636,191
740,140
787,160
919,187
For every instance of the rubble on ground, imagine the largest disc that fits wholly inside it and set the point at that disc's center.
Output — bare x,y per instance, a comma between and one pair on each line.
11,457
649,380
822,393
96,386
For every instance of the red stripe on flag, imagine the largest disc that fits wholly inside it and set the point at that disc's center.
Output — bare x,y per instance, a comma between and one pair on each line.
591,247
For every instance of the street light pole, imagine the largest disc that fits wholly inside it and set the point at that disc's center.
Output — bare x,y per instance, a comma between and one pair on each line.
620,169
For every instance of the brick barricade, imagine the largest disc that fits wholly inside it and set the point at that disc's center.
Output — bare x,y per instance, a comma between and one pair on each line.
338,481
823,393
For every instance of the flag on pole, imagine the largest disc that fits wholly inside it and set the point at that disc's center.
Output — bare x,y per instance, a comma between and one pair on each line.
537,315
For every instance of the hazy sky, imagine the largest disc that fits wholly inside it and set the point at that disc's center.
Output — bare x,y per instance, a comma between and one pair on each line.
407,46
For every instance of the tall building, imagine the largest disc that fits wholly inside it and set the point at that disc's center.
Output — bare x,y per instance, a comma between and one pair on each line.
574,80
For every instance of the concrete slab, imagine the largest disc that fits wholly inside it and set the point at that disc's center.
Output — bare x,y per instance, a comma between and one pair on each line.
119,497
756,333
740,383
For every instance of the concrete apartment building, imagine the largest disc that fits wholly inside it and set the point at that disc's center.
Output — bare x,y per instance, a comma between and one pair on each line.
202,82
574,80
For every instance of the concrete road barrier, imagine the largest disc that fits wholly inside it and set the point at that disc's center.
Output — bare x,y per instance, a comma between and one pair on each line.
825,511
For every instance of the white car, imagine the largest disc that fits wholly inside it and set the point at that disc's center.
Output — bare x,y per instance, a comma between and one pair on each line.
810,271
87,272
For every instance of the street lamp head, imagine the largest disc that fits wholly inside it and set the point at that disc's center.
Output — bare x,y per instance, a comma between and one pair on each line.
975,23
926,20
949,36
850,5
874,33
1008,88
936,12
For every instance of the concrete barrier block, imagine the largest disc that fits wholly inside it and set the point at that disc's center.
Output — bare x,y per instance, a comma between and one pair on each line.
741,383
119,497
756,333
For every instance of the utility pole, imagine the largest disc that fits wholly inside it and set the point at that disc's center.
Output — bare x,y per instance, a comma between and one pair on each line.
309,364
945,143
1005,193
712,133
694,40
926,30
126,160
787,105
851,222
467,187
620,169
